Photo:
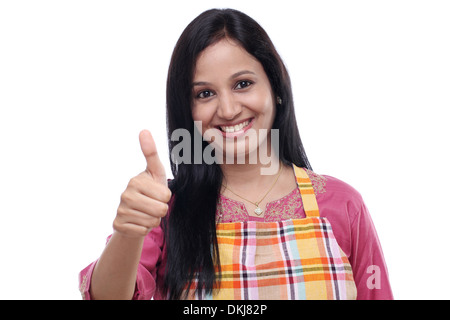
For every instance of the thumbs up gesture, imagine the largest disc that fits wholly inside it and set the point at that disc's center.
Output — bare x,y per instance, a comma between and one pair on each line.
145,200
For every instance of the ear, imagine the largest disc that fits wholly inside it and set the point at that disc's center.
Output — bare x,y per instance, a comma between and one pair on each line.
279,100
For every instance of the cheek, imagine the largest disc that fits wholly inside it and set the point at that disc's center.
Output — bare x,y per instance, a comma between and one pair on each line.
265,107
262,101
203,114
199,114
195,113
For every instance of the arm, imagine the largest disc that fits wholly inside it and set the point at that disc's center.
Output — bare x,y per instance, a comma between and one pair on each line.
357,237
149,273
119,262
142,205
370,270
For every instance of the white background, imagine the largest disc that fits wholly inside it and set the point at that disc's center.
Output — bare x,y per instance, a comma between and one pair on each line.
80,79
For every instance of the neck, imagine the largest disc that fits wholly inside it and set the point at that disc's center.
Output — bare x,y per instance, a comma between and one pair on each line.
250,176
267,164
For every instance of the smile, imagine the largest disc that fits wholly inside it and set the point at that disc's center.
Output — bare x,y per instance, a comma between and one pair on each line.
235,128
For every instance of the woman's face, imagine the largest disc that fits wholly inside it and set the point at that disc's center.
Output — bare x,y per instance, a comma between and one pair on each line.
232,98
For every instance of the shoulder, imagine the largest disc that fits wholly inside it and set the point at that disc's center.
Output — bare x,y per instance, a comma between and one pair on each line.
340,203
338,189
331,189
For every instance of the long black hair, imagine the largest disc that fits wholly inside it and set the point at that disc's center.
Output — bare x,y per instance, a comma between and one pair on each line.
190,227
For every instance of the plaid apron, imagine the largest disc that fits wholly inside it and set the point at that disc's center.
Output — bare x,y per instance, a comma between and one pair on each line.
291,259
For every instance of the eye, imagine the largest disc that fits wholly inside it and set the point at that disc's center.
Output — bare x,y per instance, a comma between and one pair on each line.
205,94
243,84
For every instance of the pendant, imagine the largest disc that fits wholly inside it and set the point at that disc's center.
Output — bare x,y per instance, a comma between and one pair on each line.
258,211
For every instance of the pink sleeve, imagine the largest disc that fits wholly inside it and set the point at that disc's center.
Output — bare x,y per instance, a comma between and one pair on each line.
355,232
367,260
149,273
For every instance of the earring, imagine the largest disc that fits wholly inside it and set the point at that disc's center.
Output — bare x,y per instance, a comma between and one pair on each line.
279,101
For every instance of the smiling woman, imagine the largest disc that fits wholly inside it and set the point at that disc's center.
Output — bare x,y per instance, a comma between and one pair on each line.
239,96
224,230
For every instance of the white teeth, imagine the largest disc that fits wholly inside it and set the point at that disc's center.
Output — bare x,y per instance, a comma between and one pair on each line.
236,127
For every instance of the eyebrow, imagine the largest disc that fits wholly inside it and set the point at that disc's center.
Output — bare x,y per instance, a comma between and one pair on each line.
233,76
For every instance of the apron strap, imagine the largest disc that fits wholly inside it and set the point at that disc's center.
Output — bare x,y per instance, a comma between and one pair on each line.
307,192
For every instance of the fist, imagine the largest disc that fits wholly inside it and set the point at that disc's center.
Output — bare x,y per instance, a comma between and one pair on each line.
145,200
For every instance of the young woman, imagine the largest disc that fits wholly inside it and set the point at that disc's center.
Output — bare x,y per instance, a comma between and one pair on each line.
256,223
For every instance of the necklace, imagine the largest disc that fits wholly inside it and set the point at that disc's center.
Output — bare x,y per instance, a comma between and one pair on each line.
258,211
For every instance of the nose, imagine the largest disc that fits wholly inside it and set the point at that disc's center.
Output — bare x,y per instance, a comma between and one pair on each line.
228,107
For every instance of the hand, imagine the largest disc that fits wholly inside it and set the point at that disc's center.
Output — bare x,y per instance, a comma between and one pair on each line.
145,200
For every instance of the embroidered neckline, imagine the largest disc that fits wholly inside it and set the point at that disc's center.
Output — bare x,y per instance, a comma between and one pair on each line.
241,203
231,210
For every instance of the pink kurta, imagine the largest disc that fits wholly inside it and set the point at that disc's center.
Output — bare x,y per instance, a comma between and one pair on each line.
341,204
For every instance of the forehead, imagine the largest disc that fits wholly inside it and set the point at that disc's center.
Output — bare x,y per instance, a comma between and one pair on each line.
224,58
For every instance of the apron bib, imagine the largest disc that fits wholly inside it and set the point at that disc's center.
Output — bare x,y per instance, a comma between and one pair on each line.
291,259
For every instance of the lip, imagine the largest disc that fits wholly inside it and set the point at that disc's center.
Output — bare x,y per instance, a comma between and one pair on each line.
237,133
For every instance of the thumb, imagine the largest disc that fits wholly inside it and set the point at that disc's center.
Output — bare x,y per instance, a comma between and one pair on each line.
154,166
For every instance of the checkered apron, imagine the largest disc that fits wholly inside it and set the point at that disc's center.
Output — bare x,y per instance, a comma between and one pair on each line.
291,259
